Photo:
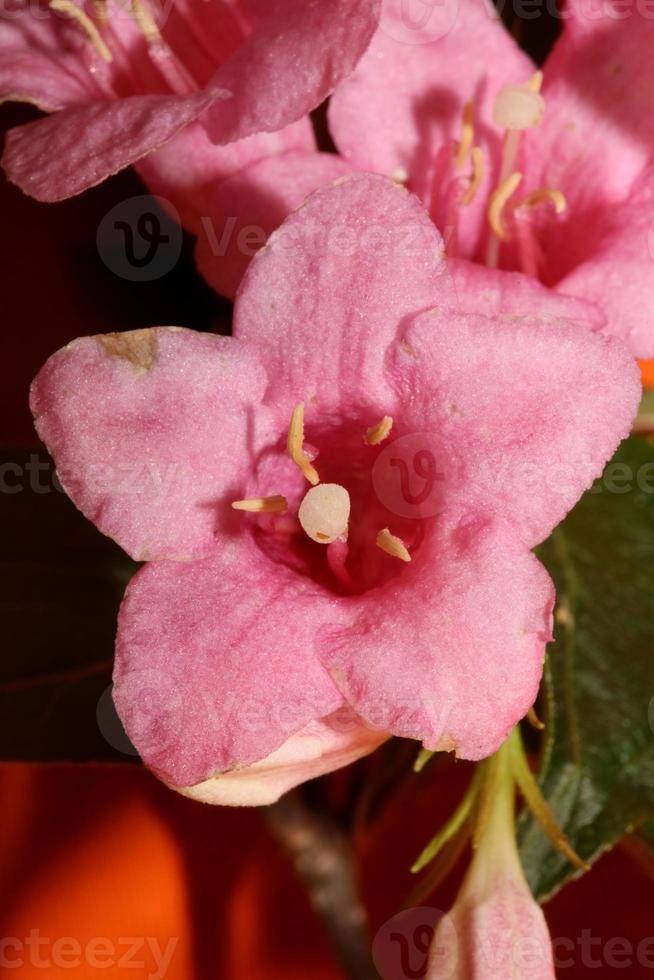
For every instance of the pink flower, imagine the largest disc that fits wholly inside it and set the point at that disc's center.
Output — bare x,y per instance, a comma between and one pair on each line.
444,101
383,571
496,930
123,79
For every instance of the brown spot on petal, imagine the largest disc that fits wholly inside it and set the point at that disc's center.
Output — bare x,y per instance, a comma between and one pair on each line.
139,347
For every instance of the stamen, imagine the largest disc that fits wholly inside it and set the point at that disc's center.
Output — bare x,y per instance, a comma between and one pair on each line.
535,82
392,545
467,136
145,21
295,443
544,194
85,23
100,7
262,505
400,175
377,433
498,199
477,160
325,511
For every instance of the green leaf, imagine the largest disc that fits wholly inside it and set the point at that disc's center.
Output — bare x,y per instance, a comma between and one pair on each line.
597,761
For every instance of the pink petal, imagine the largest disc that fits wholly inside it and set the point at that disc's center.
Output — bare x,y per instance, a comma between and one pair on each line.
40,59
247,207
186,169
280,72
150,431
320,747
406,96
598,130
451,650
215,661
495,292
332,288
616,268
54,158
524,414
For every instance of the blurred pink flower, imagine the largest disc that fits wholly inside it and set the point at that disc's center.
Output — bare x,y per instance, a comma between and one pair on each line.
217,85
398,594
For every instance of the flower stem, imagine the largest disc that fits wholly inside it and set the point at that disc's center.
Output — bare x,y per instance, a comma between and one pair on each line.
323,859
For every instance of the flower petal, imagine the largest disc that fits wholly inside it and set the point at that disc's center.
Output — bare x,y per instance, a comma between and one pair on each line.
322,746
250,205
457,660
406,96
598,131
40,60
189,165
54,158
280,73
523,413
495,292
333,286
215,661
616,270
150,430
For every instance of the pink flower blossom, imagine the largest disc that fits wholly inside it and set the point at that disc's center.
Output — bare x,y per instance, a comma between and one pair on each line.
216,85
376,575
438,102
496,930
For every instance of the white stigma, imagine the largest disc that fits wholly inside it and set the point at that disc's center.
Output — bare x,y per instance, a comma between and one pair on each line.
325,511
518,107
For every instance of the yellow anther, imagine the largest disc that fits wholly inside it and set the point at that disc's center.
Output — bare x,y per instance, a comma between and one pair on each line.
377,433
477,160
532,200
498,199
467,136
392,545
400,175
295,443
262,505
535,82
100,7
85,23
145,21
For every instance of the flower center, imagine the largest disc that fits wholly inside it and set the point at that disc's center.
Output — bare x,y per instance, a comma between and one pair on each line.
517,109
339,525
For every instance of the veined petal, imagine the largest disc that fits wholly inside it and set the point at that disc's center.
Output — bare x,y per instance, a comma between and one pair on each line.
54,158
215,661
151,432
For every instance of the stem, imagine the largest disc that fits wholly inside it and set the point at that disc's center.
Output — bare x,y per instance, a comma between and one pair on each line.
323,858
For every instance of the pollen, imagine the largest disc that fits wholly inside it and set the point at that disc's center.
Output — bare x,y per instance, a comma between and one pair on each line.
467,136
477,160
295,444
262,505
392,545
377,433
498,200
518,107
545,194
85,23
325,512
